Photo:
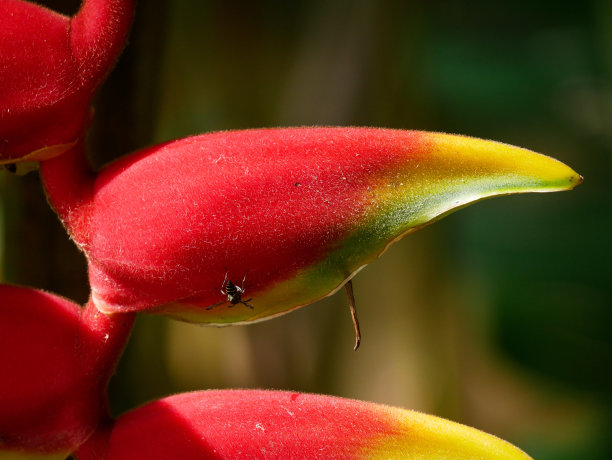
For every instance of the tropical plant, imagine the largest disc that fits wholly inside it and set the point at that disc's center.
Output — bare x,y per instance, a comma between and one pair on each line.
223,228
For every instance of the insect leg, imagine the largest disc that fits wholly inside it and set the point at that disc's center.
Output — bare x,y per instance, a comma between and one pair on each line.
224,280
244,302
243,279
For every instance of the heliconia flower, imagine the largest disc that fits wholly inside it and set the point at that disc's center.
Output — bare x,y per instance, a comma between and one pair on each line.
287,215
231,424
50,66
56,360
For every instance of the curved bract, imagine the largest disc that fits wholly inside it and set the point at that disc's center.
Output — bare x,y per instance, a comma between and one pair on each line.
292,212
234,424
56,361
50,66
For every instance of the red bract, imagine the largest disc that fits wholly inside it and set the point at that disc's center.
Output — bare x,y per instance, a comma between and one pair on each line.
282,425
56,361
293,212
50,66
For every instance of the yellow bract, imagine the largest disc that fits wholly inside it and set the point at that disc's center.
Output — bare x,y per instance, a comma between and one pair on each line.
425,437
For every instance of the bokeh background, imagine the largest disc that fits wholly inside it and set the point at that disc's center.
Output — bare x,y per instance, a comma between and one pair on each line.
498,316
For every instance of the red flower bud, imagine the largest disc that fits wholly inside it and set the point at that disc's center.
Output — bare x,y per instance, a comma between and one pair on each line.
56,361
286,215
50,66
234,424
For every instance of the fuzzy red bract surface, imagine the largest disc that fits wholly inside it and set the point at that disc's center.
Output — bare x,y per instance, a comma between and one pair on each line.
233,424
290,212
56,361
50,66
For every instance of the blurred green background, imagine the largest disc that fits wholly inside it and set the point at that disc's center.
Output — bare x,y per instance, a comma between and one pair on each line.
498,316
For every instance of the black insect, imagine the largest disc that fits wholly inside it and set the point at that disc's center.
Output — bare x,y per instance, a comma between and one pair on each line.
234,293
